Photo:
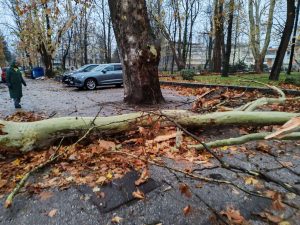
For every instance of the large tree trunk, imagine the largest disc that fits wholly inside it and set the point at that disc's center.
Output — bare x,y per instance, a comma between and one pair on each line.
294,39
36,135
229,39
289,24
140,54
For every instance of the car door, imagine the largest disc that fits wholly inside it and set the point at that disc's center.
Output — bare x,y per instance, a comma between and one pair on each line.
118,74
107,75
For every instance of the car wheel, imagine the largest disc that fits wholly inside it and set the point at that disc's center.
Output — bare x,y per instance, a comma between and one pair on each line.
118,85
90,84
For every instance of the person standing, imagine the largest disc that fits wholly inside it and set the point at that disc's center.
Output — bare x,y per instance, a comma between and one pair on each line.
14,82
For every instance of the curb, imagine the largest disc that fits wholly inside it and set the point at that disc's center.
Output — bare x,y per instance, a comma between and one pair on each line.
244,88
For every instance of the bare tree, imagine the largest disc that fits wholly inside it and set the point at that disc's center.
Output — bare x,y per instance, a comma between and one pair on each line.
294,39
219,35
226,58
286,35
255,31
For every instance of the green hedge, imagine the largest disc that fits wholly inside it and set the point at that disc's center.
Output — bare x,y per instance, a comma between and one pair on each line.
187,74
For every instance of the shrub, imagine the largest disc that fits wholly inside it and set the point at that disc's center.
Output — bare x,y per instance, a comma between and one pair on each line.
187,74
292,79
240,66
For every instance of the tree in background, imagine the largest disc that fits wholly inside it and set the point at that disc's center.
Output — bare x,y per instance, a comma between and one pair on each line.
226,57
294,39
2,55
219,35
176,21
286,35
139,51
255,18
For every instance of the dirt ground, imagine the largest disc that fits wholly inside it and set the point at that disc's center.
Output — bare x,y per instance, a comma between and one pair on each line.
207,203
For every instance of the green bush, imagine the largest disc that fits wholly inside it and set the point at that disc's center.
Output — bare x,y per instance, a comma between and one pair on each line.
292,79
240,66
187,74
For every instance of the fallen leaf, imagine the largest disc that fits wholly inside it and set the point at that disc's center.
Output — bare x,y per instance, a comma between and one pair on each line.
116,219
52,213
101,179
138,194
262,146
185,190
284,223
287,164
165,137
106,145
290,196
251,180
143,178
234,216
186,210
277,203
96,189
270,217
45,195
2,183
16,162
224,148
109,176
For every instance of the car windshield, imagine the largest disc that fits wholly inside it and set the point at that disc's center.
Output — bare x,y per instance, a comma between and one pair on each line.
99,68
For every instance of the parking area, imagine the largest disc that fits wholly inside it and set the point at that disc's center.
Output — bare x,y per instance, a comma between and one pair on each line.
55,99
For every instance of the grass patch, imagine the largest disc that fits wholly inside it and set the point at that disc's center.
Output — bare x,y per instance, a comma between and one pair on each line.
237,79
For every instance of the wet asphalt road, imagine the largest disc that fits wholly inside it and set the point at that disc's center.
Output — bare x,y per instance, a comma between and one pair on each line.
50,97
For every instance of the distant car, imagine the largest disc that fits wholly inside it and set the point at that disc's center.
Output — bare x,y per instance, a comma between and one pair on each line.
83,69
104,74
3,71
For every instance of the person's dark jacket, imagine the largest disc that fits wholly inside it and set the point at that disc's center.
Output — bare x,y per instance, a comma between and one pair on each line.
14,81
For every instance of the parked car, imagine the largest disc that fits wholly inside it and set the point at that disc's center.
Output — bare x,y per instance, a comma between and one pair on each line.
3,74
83,69
104,74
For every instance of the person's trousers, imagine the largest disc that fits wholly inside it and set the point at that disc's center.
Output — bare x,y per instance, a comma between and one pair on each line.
17,102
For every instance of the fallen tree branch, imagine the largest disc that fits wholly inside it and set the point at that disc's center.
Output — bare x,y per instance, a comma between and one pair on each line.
27,136
251,106
199,177
53,157
231,167
243,139
10,197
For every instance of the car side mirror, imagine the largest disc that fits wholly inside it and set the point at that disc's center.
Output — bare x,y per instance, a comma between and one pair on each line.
104,71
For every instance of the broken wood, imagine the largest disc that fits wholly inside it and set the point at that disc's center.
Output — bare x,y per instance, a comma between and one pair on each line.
243,139
29,136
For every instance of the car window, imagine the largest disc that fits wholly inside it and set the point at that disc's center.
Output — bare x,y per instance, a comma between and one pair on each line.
88,69
118,67
99,68
109,68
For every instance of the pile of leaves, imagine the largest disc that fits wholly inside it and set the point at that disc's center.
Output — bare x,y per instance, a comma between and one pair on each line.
22,116
100,161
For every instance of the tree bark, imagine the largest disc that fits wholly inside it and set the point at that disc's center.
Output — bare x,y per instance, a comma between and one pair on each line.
29,136
229,40
284,40
219,36
294,39
139,51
